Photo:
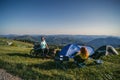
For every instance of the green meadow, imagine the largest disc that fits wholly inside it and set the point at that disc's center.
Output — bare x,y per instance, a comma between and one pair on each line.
15,59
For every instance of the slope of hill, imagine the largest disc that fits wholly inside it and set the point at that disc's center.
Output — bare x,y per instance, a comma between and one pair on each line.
9,42
105,41
17,61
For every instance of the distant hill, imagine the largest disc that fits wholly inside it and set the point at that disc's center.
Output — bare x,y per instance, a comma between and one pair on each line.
105,41
25,38
63,40
52,40
93,40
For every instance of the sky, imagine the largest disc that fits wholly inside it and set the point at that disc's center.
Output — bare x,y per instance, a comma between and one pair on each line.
76,17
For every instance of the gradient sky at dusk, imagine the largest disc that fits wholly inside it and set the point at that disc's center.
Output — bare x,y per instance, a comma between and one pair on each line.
87,17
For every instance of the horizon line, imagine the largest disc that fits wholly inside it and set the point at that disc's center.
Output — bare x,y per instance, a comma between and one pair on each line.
64,34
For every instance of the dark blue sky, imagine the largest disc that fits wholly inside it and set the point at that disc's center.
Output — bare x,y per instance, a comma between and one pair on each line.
101,17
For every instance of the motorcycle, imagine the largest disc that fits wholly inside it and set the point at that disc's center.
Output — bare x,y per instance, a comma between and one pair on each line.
37,51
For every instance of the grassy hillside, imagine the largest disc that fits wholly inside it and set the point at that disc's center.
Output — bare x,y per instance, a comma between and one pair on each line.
5,42
17,61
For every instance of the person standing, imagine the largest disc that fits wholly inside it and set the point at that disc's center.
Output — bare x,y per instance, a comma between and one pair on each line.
44,47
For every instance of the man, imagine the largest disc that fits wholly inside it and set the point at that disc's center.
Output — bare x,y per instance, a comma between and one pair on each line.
44,47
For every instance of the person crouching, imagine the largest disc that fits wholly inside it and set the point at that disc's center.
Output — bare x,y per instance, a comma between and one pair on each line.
81,56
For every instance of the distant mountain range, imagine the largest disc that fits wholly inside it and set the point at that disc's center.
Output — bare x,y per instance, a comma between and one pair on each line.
92,40
96,43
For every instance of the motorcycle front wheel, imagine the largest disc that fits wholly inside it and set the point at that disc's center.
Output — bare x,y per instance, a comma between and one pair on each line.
32,52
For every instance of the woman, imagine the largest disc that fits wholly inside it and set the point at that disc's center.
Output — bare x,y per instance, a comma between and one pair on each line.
44,47
81,56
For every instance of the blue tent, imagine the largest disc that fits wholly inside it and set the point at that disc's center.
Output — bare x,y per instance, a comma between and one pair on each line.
70,49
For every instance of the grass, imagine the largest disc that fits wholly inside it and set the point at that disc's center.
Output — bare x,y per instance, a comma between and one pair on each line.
17,61
3,42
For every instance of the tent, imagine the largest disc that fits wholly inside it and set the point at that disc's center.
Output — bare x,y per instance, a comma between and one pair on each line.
70,49
104,50
107,50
